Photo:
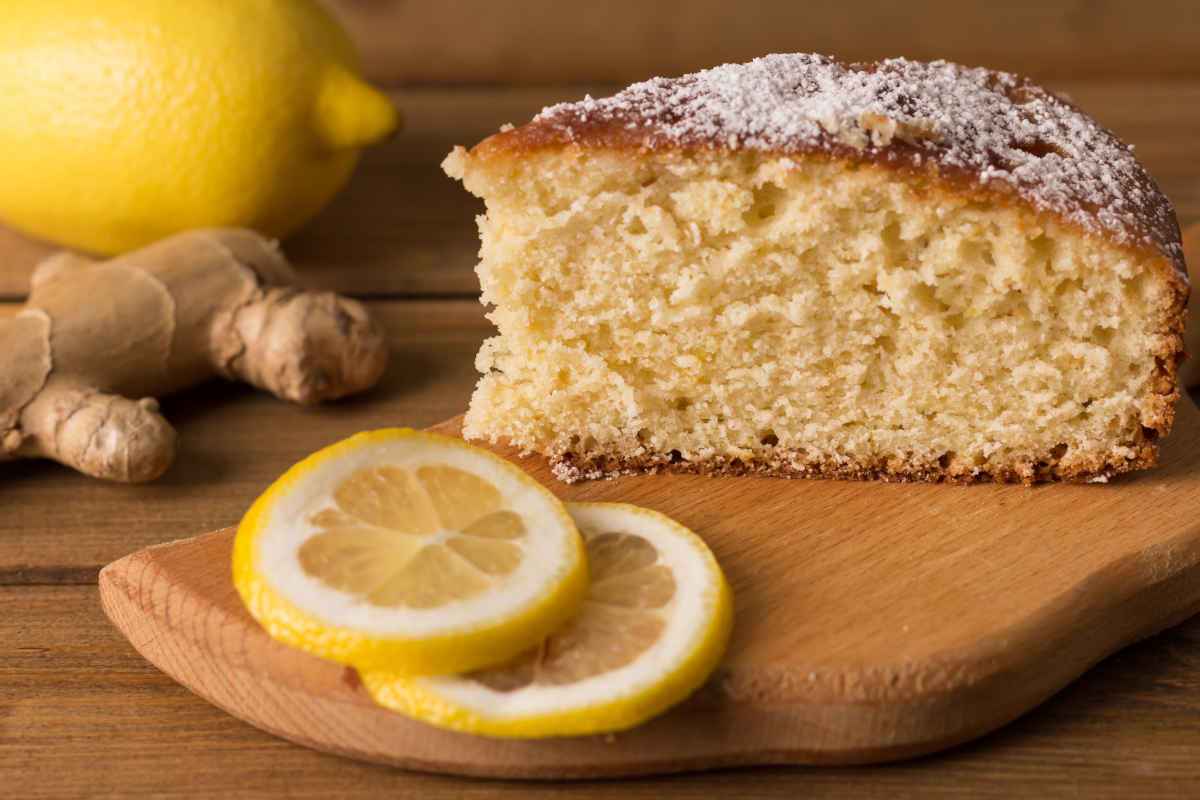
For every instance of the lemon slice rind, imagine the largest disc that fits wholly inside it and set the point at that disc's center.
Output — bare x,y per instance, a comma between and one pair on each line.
490,628
681,660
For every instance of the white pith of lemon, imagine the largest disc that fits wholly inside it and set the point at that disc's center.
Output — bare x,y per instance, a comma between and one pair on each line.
409,551
654,625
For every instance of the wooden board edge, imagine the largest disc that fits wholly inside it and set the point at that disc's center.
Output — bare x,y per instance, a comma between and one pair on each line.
1116,617
121,604
120,600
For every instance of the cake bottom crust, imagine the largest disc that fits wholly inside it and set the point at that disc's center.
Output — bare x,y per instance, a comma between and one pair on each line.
1094,468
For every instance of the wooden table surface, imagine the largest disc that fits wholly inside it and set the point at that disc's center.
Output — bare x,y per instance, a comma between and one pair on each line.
82,715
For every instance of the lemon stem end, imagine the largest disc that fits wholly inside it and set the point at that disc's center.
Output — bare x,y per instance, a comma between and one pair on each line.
352,114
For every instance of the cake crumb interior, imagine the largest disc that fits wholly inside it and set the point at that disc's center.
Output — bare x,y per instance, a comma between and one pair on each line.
804,316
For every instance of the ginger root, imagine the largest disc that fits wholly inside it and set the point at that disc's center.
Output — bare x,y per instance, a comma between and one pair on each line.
81,363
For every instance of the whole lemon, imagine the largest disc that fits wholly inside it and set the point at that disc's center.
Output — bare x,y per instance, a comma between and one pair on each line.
124,121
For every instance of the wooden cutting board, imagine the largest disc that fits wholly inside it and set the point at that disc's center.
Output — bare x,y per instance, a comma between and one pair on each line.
874,621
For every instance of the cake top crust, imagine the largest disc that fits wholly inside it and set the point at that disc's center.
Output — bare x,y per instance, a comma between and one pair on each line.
994,130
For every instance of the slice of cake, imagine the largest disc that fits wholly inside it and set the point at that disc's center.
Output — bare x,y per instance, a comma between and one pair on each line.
801,267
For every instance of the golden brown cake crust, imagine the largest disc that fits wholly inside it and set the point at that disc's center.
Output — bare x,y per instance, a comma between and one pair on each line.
984,132
788,464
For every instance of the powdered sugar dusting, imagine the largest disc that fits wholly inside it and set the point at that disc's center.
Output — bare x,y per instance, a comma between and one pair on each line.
994,128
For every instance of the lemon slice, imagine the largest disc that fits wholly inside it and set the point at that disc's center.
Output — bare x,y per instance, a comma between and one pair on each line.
653,627
409,551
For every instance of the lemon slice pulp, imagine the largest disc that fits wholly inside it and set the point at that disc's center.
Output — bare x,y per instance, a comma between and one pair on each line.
653,626
409,551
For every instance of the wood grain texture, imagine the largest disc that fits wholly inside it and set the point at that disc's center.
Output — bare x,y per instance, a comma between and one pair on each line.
524,41
75,695
83,715
1189,371
57,526
403,229
874,621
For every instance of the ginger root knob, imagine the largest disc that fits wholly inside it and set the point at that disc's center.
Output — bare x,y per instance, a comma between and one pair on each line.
94,335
